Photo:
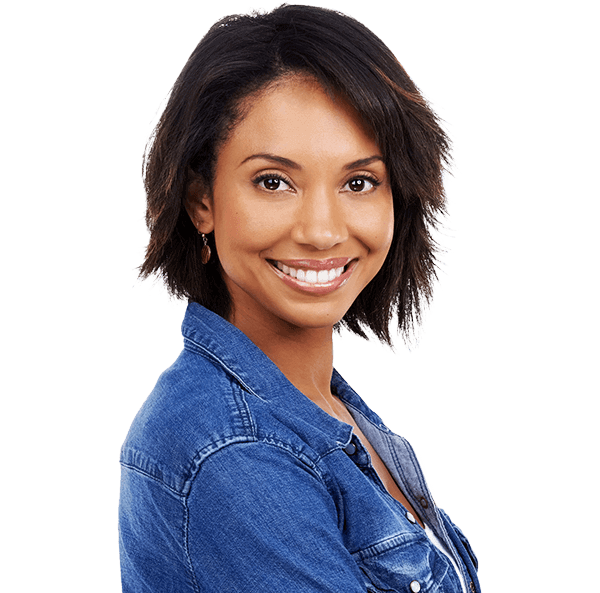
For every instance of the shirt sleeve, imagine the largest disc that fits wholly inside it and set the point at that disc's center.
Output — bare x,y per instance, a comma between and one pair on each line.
260,519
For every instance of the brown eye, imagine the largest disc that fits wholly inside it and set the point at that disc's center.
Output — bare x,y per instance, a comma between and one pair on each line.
360,184
357,184
272,183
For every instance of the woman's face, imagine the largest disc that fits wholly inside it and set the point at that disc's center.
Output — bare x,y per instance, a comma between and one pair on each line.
301,208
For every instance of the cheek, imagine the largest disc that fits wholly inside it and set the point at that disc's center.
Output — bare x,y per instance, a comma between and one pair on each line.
377,226
244,226
388,230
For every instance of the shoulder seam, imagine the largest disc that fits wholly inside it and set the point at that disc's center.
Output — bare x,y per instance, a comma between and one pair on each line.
286,447
136,469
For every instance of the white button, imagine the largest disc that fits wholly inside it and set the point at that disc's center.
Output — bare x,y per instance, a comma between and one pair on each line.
410,517
415,586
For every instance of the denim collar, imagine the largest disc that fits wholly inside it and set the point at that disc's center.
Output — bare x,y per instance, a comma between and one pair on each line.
225,345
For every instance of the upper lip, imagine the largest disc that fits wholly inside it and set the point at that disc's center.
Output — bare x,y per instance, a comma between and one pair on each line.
315,264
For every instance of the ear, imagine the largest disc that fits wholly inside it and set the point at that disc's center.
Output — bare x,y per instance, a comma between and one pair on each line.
199,206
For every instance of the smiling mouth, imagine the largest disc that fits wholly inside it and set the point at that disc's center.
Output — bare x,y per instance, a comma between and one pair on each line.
317,277
311,276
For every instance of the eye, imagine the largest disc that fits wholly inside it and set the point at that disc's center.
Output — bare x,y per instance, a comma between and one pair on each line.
362,184
272,183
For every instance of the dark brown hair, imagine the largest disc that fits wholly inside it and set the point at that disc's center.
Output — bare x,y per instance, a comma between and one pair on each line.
239,56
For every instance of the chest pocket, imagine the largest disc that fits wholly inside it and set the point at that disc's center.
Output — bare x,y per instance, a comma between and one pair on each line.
407,563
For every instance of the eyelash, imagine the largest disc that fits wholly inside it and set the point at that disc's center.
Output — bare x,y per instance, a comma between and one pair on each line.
263,177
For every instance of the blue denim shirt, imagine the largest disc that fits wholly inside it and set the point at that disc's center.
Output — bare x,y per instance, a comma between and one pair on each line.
233,480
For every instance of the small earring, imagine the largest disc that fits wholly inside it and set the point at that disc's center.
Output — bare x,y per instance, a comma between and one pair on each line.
205,253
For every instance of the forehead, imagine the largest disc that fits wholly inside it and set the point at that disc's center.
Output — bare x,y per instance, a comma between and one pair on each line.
296,115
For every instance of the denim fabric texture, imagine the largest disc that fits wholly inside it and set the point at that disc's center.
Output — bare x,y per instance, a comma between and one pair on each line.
234,481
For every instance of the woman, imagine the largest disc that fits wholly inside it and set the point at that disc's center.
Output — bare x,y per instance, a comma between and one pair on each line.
292,182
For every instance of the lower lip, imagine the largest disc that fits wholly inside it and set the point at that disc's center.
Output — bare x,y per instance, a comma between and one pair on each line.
317,289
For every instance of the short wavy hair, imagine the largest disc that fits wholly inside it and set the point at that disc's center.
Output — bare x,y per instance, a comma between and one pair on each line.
239,56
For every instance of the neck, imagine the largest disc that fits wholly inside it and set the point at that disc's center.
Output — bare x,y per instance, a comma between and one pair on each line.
303,355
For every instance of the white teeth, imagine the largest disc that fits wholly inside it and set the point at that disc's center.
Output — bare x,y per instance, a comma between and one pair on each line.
287,270
311,276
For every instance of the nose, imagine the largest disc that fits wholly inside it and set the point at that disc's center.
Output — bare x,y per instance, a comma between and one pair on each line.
320,220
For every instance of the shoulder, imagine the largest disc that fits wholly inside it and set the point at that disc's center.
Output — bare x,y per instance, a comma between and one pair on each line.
195,408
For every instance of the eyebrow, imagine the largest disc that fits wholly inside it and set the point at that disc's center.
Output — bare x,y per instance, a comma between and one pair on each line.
293,165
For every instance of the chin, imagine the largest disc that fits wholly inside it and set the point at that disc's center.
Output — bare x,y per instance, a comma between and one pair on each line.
315,318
